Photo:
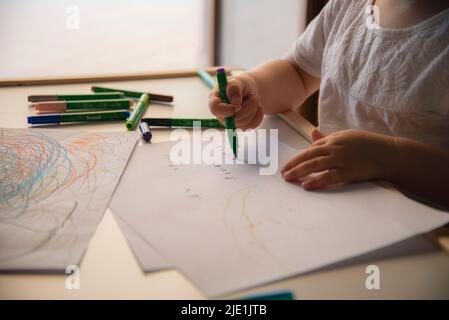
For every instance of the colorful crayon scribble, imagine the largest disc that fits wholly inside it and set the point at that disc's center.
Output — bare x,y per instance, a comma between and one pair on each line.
46,178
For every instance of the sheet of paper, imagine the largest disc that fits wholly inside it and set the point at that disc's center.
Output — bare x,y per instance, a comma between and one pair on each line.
54,188
149,259
228,228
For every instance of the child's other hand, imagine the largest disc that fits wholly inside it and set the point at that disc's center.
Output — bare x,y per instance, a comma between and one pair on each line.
245,103
342,157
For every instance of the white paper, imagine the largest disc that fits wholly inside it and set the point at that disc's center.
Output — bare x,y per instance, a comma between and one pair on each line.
54,188
149,259
228,228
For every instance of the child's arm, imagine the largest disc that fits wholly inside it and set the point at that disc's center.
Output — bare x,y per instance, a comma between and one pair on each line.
355,156
271,88
421,169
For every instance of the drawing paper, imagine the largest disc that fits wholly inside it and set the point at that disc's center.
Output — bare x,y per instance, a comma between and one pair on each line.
228,228
149,259
54,188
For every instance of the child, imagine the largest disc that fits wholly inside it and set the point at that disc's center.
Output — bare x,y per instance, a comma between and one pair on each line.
384,95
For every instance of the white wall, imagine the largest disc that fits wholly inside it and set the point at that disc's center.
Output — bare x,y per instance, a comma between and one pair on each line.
254,31
39,37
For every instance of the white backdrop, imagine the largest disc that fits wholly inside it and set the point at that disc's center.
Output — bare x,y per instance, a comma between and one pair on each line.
254,31
60,37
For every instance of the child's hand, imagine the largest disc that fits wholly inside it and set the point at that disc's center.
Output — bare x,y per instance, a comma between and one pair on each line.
342,157
245,105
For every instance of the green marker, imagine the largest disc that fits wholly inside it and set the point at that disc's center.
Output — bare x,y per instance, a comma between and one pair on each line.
207,79
63,106
138,111
135,94
229,121
76,97
183,123
78,117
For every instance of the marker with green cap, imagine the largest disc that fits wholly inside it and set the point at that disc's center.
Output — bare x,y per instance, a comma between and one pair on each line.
138,111
135,94
229,121
76,97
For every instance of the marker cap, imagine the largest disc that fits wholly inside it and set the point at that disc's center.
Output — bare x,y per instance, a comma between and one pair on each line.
51,118
50,107
145,130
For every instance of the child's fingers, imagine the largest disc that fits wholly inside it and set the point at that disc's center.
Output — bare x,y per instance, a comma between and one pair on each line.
315,165
249,109
256,120
234,91
249,106
323,180
308,154
222,110
241,123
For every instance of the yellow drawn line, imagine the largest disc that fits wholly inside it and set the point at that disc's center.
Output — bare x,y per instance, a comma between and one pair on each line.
252,231
250,225
228,226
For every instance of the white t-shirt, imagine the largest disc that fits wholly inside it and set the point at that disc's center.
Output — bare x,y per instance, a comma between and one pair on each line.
389,81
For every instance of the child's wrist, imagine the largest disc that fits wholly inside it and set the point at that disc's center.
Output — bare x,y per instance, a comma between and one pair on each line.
392,159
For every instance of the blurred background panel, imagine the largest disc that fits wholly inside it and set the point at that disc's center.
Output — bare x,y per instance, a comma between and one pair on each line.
78,37
51,38
255,31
